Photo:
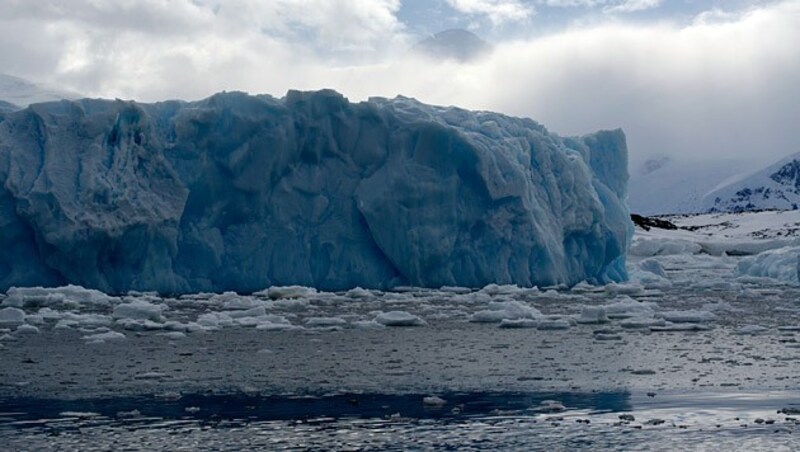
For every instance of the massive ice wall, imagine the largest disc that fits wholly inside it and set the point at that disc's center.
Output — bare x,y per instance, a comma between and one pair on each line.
241,192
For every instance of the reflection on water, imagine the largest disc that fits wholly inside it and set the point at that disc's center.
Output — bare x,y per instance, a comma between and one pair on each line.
551,421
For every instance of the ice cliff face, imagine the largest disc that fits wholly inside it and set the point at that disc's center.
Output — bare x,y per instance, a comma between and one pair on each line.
237,192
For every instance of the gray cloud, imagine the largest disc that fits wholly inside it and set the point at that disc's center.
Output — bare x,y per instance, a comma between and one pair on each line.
723,85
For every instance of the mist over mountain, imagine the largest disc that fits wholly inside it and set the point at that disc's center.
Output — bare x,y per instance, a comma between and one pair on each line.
457,44
18,93
666,185
6,107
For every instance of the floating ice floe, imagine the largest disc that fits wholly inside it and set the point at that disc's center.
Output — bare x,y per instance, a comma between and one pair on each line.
507,289
592,314
690,316
630,288
27,329
399,318
139,310
519,323
653,266
65,297
272,322
11,317
642,322
358,293
103,337
627,307
232,300
368,325
173,335
289,304
751,330
325,322
679,327
282,292
505,310
649,274
553,324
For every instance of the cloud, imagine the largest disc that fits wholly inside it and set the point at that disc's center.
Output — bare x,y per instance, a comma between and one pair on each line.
629,6
609,6
572,3
722,85
497,11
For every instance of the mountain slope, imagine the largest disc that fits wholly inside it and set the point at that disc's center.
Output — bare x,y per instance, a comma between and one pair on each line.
774,187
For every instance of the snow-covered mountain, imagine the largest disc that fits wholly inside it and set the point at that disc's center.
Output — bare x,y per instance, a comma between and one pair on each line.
241,192
774,187
457,44
21,93
664,185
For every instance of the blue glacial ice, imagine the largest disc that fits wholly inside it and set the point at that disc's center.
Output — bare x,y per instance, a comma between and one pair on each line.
240,192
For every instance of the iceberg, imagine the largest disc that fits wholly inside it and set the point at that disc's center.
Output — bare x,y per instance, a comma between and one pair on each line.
239,192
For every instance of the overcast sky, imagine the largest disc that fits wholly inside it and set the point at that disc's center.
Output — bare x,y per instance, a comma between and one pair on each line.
693,78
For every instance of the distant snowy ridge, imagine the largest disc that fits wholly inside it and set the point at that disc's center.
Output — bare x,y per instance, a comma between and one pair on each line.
774,187
241,192
17,93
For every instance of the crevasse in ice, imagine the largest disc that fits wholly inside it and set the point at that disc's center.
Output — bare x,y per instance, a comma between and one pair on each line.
240,192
